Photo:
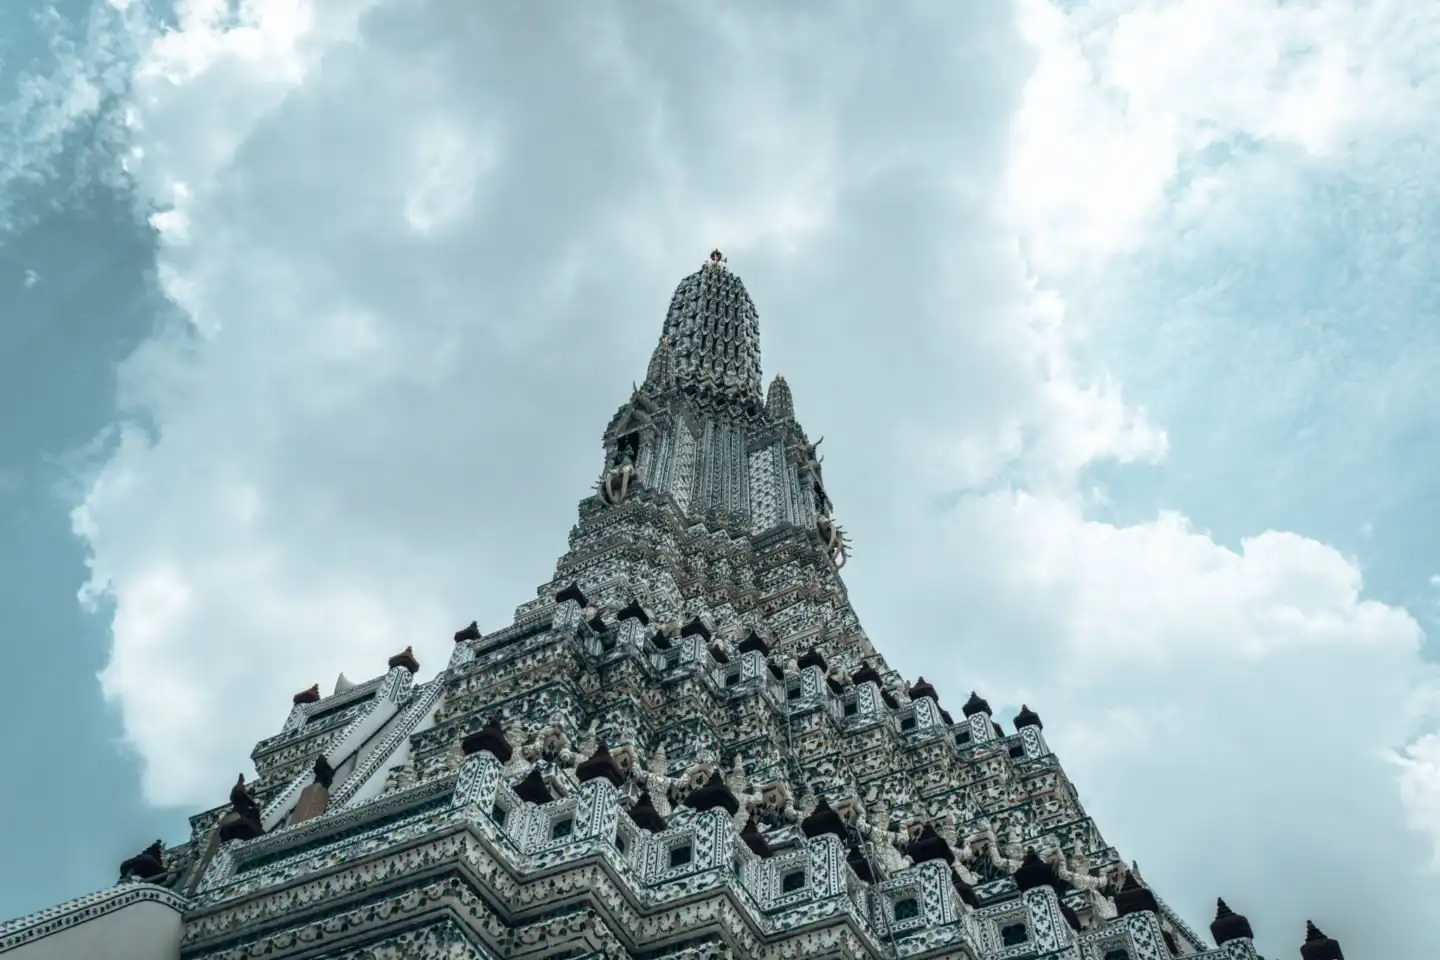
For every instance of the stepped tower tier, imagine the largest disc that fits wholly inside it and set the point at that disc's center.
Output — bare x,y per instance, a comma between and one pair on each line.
684,746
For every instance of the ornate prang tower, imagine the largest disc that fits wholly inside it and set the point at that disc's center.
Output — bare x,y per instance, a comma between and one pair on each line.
684,747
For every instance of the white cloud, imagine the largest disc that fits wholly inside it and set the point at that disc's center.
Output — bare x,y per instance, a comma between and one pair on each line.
1420,787
1129,93
425,250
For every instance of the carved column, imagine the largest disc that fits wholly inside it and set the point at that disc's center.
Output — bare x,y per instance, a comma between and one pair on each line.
1048,928
827,861
476,785
597,810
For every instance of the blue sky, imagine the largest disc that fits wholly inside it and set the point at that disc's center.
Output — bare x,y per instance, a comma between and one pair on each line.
1117,317
77,296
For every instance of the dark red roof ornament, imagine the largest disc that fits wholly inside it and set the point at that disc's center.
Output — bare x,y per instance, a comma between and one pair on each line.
754,839
976,704
242,822
1229,925
490,738
148,865
1133,898
405,658
310,695
1317,946
645,815
599,765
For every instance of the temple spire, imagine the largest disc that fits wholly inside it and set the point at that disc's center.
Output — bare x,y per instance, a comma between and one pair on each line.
660,374
713,331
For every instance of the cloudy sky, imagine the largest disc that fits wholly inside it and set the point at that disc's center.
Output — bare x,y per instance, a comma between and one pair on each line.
1118,318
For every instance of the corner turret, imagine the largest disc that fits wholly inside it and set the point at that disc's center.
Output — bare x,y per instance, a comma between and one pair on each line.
779,402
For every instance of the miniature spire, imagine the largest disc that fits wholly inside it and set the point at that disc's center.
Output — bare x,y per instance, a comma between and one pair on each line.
754,839
812,658
976,704
697,625
660,374
645,815
146,866
713,794
633,611
533,788
753,641
572,592
405,658
929,845
1229,925
1317,946
599,765
1027,718
1134,898
823,820
490,738
924,688
866,674
779,402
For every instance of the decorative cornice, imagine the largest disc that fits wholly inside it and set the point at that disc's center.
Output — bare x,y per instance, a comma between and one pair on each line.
339,823
91,906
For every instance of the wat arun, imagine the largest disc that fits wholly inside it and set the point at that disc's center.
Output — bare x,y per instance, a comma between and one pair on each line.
684,747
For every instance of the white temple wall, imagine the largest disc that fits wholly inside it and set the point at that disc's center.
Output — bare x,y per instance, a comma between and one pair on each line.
374,784
143,930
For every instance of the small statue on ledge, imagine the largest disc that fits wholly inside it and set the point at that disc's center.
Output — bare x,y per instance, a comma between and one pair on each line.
615,487
836,542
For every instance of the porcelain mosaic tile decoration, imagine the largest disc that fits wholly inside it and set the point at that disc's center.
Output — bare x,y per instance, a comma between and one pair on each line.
684,746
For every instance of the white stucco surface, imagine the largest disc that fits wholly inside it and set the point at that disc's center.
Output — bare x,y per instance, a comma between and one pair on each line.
111,925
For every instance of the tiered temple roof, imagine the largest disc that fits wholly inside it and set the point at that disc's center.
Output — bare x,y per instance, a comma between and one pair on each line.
684,746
